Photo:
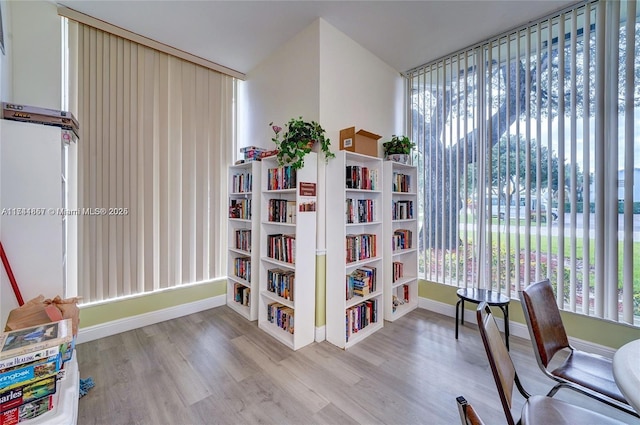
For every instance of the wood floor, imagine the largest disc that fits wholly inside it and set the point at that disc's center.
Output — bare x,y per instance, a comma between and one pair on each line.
214,367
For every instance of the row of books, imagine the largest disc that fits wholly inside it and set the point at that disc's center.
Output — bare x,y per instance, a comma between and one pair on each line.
400,296
402,210
242,267
360,316
281,247
401,182
361,282
281,315
240,208
243,239
242,294
281,211
360,210
402,239
242,183
281,178
360,247
359,177
281,282
31,364
397,270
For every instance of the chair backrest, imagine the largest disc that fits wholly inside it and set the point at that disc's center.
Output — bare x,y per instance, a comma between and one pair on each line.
543,320
504,373
468,415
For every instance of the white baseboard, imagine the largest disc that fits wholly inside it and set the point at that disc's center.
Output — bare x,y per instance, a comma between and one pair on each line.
122,325
321,333
515,329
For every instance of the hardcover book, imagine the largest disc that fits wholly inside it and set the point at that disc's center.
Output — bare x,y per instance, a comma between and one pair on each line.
28,340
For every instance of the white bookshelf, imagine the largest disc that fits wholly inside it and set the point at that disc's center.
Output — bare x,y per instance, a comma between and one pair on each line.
342,225
401,263
296,250
242,240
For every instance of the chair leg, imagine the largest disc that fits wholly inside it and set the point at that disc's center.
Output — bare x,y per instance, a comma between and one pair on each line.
457,305
613,403
505,314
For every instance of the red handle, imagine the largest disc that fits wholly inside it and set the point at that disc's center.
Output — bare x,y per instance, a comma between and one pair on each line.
12,278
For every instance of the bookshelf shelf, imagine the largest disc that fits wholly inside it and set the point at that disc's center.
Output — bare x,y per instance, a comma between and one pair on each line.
243,229
355,264
288,251
400,229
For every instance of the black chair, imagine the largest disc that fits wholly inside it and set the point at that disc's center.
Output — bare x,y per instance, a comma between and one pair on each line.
587,373
468,415
537,409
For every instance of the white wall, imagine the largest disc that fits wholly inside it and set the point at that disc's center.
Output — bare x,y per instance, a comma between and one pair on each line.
30,74
35,54
284,86
356,89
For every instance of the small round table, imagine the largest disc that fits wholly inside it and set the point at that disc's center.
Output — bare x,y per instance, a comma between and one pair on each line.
476,296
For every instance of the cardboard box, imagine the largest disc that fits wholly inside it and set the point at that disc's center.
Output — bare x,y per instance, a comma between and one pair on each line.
362,141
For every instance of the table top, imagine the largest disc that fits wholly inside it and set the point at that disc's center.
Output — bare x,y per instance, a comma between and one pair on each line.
626,372
482,295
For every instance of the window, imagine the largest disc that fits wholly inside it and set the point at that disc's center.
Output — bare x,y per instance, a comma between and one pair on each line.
155,141
529,146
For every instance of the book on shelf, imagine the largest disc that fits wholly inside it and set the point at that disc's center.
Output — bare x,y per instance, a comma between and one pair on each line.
240,208
281,282
242,183
35,338
359,177
360,316
361,282
402,239
281,316
243,239
282,211
281,178
242,294
401,182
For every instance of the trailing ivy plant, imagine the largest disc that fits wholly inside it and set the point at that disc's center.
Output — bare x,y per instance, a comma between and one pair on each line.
298,140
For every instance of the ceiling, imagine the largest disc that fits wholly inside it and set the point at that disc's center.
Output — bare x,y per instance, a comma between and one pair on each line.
239,34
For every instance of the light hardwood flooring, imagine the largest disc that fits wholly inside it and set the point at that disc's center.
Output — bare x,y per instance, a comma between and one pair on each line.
214,367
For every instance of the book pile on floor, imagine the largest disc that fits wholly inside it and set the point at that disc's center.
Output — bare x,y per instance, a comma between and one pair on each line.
32,363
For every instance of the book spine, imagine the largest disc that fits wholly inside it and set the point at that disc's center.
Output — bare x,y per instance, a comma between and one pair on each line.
30,391
30,372
29,357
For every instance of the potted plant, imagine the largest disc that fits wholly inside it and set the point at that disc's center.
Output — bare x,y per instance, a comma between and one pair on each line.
298,140
398,149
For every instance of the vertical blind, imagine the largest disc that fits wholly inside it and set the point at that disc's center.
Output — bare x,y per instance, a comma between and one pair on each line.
528,150
156,138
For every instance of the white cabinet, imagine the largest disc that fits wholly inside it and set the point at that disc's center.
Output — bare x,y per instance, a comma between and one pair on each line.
400,239
243,231
355,265
286,305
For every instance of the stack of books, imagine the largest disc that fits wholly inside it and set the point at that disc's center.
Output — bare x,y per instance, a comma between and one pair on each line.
31,363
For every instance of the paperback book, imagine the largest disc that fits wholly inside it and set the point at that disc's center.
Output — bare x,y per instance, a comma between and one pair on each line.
36,338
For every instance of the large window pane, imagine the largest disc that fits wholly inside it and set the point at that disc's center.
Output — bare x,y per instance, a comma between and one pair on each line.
528,171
